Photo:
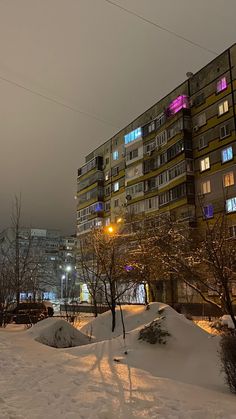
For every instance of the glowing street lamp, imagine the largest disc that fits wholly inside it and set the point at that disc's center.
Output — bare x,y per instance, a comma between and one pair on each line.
110,229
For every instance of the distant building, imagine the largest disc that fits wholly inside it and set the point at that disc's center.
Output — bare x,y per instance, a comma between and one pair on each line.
39,250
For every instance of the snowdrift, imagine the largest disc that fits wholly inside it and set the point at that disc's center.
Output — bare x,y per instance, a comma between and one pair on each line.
58,333
134,316
190,354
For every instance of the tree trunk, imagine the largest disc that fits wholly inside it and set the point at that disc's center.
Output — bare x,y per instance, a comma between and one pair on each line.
113,313
95,307
17,297
145,294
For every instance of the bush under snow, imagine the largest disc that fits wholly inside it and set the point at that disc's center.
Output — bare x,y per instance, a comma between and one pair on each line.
153,333
58,333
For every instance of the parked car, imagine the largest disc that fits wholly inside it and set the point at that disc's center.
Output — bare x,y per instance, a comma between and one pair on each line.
25,313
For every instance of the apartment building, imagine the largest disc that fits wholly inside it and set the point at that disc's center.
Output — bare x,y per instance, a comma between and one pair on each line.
177,158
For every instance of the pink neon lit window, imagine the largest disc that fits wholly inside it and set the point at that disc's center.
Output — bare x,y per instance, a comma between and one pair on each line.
221,85
177,104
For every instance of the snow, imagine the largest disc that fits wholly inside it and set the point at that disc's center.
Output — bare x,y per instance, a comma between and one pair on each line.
179,380
227,321
58,333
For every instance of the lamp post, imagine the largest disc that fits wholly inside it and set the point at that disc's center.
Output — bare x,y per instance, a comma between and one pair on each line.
68,269
62,285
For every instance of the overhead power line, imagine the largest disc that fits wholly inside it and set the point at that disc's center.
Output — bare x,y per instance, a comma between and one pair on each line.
58,102
162,28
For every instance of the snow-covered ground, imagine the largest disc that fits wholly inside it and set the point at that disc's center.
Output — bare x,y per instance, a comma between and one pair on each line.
178,380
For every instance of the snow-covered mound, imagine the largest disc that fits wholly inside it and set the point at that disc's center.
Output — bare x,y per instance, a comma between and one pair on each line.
190,354
58,333
134,316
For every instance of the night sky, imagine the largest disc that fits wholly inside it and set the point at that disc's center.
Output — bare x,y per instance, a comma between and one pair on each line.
87,68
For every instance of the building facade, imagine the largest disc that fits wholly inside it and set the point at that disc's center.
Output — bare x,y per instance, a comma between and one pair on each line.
177,158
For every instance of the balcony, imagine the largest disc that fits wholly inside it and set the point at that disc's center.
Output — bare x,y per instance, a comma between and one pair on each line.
95,163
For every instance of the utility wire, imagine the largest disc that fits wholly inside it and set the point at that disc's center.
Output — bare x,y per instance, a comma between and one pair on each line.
162,28
58,102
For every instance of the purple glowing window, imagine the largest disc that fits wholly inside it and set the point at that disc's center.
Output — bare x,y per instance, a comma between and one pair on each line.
208,211
177,104
128,268
221,85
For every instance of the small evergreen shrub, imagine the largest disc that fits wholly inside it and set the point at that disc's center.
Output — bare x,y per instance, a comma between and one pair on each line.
228,360
153,333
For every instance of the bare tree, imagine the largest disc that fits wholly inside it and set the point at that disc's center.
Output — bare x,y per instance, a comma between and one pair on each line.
90,268
204,259
109,255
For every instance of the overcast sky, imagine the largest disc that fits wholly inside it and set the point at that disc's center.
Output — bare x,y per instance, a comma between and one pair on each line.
107,66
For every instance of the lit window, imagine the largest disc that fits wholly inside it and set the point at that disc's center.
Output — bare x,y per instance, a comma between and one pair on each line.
133,135
106,175
116,186
115,155
231,205
228,179
204,164
177,104
221,85
208,211
224,131
206,187
223,107
227,154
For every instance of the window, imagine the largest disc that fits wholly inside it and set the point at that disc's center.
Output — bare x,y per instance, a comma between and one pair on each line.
132,154
164,198
116,186
151,203
223,107
115,171
163,178
221,85
208,211
231,205
116,203
107,191
227,154
133,135
232,231
199,100
161,139
106,175
224,131
107,206
202,142
149,147
107,161
204,164
163,158
151,127
201,119
115,155
206,187
228,179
